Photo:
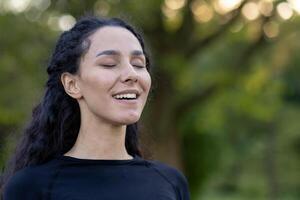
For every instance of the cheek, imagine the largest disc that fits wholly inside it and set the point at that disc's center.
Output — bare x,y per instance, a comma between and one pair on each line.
146,81
99,81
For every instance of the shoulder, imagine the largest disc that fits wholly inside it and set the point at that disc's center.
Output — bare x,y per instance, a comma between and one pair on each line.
26,183
169,171
21,184
173,176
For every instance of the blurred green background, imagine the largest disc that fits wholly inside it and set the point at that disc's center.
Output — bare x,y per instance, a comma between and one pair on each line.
225,108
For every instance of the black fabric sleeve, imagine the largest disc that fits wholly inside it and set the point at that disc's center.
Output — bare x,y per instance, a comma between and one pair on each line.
21,186
174,177
183,185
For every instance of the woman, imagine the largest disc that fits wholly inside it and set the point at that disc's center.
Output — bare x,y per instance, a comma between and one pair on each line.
82,142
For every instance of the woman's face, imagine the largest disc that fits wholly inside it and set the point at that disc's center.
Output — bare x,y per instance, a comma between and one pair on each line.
113,78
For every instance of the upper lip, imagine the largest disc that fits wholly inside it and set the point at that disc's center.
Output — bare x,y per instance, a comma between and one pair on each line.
134,91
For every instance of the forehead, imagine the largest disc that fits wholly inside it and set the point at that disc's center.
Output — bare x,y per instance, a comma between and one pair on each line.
113,38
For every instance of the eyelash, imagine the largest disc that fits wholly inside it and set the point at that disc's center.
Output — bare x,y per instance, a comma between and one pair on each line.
138,66
108,66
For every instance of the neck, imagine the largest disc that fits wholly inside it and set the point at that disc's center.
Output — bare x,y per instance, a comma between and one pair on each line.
99,140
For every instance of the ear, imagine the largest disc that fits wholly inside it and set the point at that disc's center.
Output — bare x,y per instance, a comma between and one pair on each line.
70,83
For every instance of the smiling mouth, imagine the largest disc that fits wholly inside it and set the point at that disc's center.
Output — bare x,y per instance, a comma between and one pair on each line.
127,96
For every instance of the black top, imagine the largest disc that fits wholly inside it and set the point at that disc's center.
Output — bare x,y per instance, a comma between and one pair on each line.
69,178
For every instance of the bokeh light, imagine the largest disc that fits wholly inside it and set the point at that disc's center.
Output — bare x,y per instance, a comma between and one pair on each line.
66,22
284,10
271,29
41,4
225,6
169,13
53,22
265,7
295,4
16,6
251,11
175,4
173,17
202,11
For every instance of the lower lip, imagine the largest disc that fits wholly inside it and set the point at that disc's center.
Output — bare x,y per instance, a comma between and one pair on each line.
127,102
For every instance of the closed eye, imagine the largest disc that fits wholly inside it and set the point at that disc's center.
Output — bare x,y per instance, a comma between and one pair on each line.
138,61
108,65
139,66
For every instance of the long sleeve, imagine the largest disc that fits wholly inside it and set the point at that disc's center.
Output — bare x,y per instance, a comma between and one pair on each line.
175,177
183,186
21,186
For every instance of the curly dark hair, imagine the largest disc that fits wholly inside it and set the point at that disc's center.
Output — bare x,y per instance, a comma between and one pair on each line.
55,121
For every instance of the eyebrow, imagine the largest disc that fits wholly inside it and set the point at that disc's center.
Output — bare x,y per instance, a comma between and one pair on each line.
114,52
137,53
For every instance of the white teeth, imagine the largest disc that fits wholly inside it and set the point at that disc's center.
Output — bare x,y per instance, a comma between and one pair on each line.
127,96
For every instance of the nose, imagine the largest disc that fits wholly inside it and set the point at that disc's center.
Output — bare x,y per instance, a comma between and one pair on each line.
129,74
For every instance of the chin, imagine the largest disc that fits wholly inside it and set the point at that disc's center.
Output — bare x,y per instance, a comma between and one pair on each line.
130,119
